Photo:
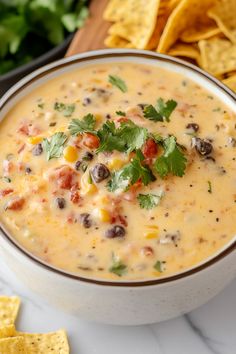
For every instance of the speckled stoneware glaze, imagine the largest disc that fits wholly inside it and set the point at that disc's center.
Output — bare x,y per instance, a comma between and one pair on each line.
131,302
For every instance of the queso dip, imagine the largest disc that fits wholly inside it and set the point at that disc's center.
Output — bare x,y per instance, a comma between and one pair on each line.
119,171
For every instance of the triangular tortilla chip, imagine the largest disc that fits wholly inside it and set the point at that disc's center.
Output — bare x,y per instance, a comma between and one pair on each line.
201,31
218,56
187,14
231,82
9,307
185,50
224,13
13,345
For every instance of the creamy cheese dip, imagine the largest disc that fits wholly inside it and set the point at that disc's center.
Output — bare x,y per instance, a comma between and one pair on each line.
78,203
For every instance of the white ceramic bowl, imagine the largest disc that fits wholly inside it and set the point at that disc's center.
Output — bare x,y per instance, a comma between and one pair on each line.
130,302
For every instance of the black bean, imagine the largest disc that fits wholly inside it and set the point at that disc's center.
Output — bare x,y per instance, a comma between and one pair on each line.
86,101
60,203
78,165
28,170
52,124
108,116
202,146
115,231
99,172
85,220
88,156
37,150
193,126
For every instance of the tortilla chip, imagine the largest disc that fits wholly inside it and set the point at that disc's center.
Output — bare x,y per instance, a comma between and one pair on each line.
164,11
231,82
7,331
201,31
186,15
117,42
116,10
224,13
218,56
14,345
138,24
185,50
9,307
48,343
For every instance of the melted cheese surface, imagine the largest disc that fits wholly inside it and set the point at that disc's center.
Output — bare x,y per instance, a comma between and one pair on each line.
194,218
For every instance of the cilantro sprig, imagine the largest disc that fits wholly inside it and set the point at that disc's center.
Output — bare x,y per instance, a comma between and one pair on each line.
130,174
84,125
161,112
54,146
118,82
149,201
172,160
127,138
66,109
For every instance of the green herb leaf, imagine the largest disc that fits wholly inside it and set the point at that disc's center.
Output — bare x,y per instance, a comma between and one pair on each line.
130,174
109,140
66,109
41,105
159,266
54,146
117,267
149,201
166,108
118,82
6,179
172,161
121,113
128,137
85,125
151,113
209,187
161,112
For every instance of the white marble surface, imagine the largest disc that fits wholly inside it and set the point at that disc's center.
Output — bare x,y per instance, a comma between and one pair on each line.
209,329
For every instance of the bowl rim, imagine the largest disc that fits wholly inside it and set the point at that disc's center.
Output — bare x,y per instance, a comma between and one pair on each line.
92,55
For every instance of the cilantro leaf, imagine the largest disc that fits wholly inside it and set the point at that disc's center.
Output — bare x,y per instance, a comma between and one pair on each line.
172,161
133,135
159,266
118,82
130,174
161,111
149,201
118,268
66,109
166,108
54,146
109,140
121,113
151,113
84,125
128,137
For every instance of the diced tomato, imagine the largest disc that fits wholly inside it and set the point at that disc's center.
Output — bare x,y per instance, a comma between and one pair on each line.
65,177
15,204
5,192
27,128
122,220
75,196
147,251
91,141
149,149
122,120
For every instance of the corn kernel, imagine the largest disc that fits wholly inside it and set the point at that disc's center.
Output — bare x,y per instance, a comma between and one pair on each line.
35,139
102,199
86,187
115,164
98,117
150,235
104,215
70,153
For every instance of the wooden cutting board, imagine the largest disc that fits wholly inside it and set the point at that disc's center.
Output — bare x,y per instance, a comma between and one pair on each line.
92,35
